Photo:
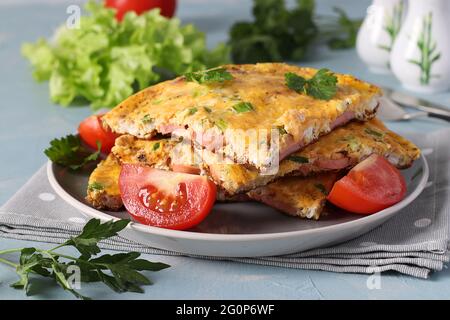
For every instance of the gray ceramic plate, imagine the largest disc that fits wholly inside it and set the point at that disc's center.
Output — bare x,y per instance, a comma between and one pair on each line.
242,229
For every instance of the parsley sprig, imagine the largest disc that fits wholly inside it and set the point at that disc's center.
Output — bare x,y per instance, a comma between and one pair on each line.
243,107
321,188
118,271
95,186
209,76
69,152
374,133
323,85
298,159
221,124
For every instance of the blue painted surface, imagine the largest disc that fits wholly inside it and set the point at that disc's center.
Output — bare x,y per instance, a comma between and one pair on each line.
29,121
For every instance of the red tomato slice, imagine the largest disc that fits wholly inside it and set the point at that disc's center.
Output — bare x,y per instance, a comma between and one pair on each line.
166,199
91,130
371,186
139,6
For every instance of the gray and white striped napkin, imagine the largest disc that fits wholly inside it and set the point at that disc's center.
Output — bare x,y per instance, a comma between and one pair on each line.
414,242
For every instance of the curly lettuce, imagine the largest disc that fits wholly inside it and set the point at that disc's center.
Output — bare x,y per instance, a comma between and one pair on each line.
105,61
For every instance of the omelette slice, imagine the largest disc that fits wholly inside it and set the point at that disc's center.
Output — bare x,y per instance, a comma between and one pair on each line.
164,154
343,148
154,153
296,196
256,98
302,197
103,188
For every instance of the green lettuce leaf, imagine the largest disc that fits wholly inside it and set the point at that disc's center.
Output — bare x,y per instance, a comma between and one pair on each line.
105,61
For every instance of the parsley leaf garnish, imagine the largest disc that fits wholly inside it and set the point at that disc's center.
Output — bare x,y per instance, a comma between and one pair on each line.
295,82
147,119
298,159
93,232
156,146
221,124
69,152
192,111
120,272
282,130
209,76
323,85
157,101
95,186
352,142
242,107
374,133
321,188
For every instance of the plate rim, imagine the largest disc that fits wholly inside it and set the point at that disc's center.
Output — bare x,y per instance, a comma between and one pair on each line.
189,235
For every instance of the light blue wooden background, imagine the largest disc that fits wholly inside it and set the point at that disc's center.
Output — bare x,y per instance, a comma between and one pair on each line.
28,121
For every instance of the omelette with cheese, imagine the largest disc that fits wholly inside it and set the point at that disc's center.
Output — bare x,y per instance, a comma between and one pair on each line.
303,197
208,113
196,127
341,149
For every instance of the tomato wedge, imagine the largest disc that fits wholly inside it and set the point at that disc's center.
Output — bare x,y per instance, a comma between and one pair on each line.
166,199
91,130
139,6
371,186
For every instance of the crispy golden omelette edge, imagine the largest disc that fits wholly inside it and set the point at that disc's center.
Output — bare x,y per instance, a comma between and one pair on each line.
103,186
154,153
169,105
302,197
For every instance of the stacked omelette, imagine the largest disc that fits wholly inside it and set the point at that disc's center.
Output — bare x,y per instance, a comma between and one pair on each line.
176,125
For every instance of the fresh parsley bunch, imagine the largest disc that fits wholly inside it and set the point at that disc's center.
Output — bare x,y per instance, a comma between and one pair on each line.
276,34
120,271
279,34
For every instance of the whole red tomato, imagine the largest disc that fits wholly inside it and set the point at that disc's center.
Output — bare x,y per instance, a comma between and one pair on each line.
139,6
92,131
